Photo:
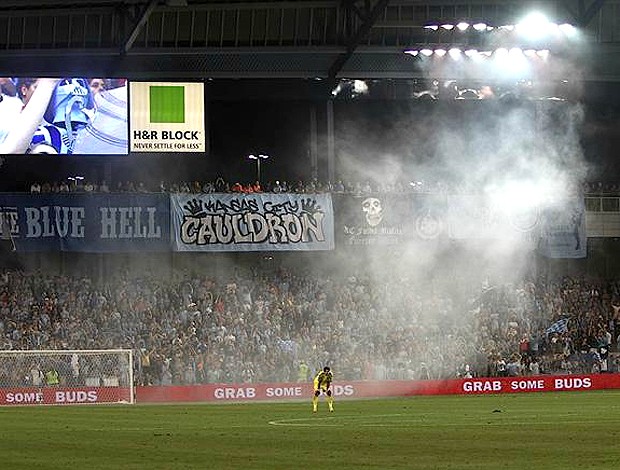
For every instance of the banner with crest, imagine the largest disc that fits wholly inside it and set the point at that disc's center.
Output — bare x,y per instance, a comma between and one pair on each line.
372,219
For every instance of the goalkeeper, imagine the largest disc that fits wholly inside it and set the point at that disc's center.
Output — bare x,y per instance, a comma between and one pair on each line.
322,383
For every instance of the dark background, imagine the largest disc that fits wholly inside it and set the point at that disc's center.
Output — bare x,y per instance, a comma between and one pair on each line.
274,117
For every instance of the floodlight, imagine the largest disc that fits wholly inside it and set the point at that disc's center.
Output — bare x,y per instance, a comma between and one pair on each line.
360,87
480,26
447,26
568,29
462,26
455,52
534,26
440,52
412,52
515,51
426,52
471,52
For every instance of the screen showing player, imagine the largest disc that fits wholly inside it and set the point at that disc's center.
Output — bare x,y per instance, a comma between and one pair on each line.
63,116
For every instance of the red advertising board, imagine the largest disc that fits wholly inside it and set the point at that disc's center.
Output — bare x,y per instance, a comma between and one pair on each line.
63,395
301,391
374,389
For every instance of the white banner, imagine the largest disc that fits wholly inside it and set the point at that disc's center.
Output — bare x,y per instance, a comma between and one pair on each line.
476,217
256,222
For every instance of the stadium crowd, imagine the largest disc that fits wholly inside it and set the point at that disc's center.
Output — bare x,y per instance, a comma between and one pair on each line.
220,185
264,325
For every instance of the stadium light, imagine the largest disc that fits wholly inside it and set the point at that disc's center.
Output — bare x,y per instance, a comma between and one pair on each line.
534,26
455,53
258,159
568,29
462,26
480,27
412,52
426,52
447,26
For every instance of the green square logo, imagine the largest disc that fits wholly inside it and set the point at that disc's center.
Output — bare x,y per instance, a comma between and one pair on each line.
167,104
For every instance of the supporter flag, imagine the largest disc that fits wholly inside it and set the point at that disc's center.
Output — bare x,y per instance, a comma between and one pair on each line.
560,326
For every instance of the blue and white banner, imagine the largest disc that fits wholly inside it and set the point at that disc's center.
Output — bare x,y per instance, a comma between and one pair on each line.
564,230
560,326
482,218
86,222
430,216
252,222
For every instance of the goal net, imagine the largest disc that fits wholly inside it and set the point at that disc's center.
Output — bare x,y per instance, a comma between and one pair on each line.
66,377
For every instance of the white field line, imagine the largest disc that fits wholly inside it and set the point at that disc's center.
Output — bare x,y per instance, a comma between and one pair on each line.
341,421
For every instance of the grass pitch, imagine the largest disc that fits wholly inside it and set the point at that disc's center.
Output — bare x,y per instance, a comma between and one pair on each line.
523,431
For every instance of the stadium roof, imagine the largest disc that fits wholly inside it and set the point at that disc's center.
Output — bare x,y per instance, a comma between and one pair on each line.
269,39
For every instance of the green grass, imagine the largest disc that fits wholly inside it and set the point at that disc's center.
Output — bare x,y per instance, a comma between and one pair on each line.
523,431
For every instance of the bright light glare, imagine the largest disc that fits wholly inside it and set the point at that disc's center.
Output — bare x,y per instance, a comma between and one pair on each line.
515,52
513,196
480,26
447,27
530,53
440,52
433,27
462,26
534,26
471,52
568,29
426,52
455,52
543,53
412,52
360,87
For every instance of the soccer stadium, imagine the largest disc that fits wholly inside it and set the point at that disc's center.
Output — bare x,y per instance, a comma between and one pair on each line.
281,234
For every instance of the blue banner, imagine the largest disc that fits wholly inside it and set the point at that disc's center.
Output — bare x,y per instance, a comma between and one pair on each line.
252,222
86,222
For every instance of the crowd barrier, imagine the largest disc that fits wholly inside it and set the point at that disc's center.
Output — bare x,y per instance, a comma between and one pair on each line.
376,389
300,391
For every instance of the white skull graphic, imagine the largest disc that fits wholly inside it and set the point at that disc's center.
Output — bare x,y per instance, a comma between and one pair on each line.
371,206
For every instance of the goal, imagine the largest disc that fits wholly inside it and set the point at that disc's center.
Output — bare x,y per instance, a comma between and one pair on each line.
66,377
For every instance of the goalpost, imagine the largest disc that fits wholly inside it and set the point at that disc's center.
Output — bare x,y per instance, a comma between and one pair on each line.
51,377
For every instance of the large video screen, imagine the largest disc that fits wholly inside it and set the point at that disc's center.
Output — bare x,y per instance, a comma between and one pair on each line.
67,116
